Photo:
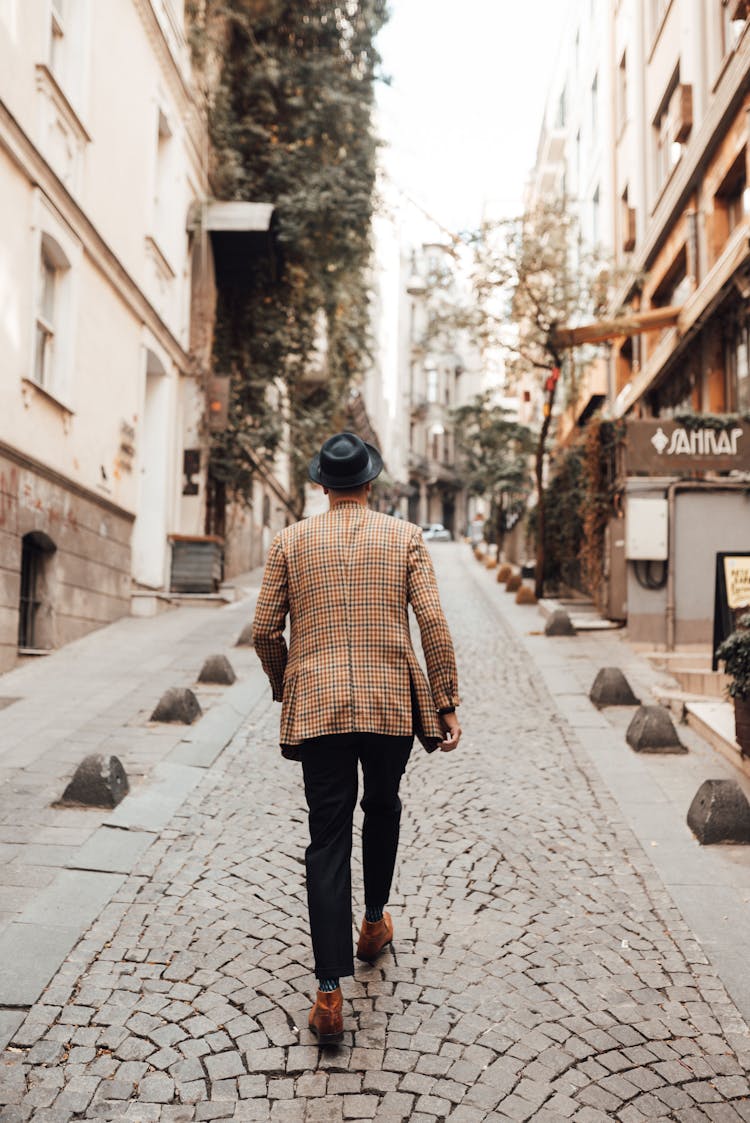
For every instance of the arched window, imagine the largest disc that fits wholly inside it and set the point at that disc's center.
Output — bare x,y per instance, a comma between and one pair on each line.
34,614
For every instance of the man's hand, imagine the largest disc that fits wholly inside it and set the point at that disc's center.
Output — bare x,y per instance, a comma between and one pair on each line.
452,731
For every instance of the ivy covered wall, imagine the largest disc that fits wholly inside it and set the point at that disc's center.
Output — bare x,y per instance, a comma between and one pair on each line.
291,90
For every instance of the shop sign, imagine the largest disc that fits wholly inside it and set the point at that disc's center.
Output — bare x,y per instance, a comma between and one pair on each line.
667,448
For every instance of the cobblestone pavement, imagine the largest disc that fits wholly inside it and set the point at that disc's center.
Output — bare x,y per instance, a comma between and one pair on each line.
539,970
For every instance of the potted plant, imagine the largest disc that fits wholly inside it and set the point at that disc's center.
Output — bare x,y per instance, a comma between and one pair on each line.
735,654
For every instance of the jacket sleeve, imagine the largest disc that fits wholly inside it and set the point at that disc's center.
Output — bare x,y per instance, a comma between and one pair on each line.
436,640
270,618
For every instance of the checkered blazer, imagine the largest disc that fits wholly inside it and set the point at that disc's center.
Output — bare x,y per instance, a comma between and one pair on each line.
346,578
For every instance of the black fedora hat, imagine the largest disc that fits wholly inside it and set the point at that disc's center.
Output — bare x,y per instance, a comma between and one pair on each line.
345,461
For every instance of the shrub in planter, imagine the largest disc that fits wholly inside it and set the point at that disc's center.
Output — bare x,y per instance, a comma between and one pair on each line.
525,595
735,654
504,573
513,584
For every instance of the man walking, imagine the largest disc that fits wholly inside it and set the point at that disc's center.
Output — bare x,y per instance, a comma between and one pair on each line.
352,691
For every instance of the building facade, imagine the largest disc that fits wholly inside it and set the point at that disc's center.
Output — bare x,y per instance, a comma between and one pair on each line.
674,130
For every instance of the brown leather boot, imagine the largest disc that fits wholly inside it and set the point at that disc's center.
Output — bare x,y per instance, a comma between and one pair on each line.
374,936
326,1017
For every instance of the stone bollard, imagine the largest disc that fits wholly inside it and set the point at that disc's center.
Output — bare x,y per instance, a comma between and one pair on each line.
526,595
559,624
98,781
652,731
719,813
513,584
218,669
177,704
245,638
611,688
503,573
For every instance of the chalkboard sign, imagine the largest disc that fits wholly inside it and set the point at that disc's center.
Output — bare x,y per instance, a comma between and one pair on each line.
731,596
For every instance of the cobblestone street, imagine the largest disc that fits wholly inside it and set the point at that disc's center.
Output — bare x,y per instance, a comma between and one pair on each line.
539,969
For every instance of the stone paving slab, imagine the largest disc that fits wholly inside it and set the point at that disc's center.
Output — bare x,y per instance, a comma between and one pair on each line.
30,954
539,969
112,851
150,806
75,898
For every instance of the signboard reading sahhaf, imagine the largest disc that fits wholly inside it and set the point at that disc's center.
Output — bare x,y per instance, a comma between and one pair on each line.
669,448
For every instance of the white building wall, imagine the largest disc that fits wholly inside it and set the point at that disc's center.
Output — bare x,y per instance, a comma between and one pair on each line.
101,156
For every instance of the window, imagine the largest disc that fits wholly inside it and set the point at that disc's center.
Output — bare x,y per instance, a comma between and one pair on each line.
50,318
731,28
561,111
667,129
432,384
595,104
622,93
595,217
162,176
45,321
57,36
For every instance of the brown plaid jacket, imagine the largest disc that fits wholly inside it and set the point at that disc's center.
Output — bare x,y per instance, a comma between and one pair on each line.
346,578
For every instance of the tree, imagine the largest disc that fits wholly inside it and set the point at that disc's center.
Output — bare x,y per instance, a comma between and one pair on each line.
291,90
496,459
530,277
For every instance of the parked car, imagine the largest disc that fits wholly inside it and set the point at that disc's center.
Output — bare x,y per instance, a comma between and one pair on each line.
436,532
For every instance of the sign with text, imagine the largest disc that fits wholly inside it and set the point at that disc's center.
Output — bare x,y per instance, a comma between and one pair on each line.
668,448
731,595
737,580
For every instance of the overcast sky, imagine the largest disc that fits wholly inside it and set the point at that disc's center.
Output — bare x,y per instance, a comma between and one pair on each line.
462,116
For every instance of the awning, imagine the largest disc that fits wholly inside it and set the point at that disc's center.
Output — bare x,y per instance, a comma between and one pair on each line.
238,217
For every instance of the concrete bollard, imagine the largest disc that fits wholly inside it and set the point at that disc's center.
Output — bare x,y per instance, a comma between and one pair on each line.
559,624
719,813
218,669
98,781
611,688
245,638
652,731
177,704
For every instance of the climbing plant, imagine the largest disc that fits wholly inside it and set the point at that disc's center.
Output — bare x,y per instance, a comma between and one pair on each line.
290,86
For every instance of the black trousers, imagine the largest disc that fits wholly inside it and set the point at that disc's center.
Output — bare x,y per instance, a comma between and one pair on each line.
330,769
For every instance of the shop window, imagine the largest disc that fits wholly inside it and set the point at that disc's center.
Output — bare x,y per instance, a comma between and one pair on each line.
34,610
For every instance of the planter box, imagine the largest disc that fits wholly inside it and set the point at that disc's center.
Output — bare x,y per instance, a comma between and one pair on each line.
197,563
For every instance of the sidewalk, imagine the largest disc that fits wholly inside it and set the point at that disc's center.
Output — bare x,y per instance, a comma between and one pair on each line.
60,866
710,885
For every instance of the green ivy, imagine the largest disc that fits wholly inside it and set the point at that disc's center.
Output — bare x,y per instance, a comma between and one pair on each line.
735,654
290,123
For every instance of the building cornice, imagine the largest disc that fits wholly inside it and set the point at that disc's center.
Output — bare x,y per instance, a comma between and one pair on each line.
23,460
39,173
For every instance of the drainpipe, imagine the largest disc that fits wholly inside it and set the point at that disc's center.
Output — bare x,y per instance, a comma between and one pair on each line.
685,485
